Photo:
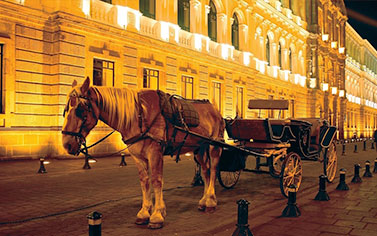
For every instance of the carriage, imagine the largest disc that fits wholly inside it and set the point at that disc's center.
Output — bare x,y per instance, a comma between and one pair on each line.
282,143
153,123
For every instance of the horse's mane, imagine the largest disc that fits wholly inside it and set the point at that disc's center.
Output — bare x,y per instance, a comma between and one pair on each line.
120,104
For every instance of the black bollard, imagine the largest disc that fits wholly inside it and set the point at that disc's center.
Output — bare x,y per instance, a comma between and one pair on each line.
123,161
355,150
356,178
94,221
367,172
372,147
342,183
343,149
197,180
365,145
375,166
291,210
242,219
42,168
322,194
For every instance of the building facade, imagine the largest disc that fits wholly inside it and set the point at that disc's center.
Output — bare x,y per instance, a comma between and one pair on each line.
222,50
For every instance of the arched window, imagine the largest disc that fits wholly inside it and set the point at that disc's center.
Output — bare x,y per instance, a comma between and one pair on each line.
235,33
268,50
148,8
212,22
290,59
184,14
279,54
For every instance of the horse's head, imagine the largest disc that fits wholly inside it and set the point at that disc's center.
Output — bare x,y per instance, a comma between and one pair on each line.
80,116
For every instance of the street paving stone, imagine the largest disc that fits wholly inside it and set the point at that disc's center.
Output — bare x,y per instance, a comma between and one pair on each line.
56,203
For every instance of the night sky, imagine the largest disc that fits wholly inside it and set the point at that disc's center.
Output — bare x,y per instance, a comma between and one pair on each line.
362,16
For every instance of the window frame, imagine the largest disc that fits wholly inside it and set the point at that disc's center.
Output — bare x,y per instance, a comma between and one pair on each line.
185,80
146,11
212,18
147,76
181,16
2,97
235,32
103,68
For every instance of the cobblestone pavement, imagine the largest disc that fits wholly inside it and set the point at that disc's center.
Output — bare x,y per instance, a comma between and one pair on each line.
56,203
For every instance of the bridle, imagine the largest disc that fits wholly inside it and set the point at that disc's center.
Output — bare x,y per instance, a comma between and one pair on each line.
78,135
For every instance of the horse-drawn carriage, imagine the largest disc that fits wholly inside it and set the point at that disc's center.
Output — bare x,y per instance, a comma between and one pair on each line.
153,123
283,143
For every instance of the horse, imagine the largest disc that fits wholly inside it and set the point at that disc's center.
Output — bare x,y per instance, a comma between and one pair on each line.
136,115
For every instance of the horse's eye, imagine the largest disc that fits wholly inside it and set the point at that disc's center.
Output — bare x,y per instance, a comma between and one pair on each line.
79,112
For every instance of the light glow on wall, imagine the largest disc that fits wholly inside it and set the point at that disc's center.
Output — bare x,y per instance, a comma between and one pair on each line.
246,58
85,7
334,90
122,16
198,42
164,30
296,78
302,81
312,82
325,37
341,50
275,71
334,44
226,51
341,93
325,87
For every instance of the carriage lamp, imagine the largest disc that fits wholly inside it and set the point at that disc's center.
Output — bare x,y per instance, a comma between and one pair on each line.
325,37
341,93
341,50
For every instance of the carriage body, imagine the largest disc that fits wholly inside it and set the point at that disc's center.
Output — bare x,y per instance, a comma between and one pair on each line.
282,142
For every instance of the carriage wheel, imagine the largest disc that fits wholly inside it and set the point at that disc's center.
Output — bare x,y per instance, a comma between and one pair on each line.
291,172
228,179
330,163
275,164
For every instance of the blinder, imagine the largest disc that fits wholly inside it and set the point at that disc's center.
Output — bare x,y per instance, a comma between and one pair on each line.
80,111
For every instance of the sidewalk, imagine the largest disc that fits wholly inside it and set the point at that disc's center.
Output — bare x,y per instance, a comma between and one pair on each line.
57,203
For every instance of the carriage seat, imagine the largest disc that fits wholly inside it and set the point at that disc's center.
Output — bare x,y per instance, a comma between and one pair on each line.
315,131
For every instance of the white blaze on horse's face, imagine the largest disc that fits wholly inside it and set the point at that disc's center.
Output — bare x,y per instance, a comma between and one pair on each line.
79,118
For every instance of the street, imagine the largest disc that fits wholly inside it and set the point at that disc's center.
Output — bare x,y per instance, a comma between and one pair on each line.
57,203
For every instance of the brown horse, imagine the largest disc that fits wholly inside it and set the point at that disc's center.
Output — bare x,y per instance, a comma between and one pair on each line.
137,116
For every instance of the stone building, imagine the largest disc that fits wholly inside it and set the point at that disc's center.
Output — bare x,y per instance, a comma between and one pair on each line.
361,86
226,51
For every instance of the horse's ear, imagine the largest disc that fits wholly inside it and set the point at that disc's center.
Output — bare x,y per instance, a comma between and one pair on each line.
74,83
85,86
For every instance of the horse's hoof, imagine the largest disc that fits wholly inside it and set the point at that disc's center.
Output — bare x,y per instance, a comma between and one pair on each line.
142,221
155,225
210,209
201,208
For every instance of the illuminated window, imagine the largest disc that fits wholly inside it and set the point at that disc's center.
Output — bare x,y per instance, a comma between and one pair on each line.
184,14
108,1
212,22
279,54
268,50
235,33
187,87
148,8
239,102
103,73
216,88
150,78
1,79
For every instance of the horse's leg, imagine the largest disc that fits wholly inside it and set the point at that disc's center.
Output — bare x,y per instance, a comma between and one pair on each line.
143,215
211,201
201,158
156,166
